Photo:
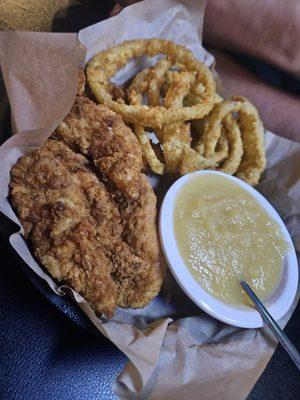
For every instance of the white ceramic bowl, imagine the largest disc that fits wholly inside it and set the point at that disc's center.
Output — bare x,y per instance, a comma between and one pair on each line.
246,317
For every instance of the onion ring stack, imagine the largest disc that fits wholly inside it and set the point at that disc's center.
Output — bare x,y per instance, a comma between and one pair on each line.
176,98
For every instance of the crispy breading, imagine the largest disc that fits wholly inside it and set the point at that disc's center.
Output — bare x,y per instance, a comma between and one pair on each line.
104,65
149,79
140,234
77,232
139,226
52,191
81,82
156,80
98,132
103,243
250,134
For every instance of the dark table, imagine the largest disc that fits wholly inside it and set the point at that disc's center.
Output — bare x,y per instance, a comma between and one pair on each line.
48,349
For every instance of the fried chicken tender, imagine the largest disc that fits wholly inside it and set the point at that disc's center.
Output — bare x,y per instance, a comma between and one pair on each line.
96,131
52,190
76,230
139,224
99,133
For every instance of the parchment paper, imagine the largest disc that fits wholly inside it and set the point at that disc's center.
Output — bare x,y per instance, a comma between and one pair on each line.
175,350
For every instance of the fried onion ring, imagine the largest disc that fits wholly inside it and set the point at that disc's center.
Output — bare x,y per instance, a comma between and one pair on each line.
150,80
194,160
176,137
177,89
235,152
253,159
105,65
156,80
149,154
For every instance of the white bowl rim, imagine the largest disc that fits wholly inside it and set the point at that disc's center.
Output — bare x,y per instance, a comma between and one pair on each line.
278,304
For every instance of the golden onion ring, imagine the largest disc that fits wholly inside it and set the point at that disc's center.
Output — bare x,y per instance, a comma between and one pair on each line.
156,79
105,65
253,160
150,80
235,151
194,160
176,137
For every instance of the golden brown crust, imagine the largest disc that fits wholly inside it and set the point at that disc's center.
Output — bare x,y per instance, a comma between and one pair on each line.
105,65
140,233
103,244
248,162
53,190
98,132
81,83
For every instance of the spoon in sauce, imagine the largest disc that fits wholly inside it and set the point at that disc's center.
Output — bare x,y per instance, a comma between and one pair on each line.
278,332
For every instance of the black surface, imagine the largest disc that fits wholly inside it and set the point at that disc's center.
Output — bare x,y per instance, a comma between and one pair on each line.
48,350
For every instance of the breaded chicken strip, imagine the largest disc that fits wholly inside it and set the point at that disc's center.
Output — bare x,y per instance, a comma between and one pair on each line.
98,132
76,229
139,223
53,190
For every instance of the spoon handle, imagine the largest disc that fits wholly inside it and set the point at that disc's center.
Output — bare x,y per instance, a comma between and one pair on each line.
278,332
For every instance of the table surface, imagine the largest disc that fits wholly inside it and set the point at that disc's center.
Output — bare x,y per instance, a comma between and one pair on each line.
46,354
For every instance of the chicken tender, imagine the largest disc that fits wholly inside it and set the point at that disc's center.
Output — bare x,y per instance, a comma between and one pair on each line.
101,134
77,232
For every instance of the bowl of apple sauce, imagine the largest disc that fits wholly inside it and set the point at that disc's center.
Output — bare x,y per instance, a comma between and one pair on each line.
216,231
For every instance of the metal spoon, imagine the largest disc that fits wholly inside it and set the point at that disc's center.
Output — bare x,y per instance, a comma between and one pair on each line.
278,332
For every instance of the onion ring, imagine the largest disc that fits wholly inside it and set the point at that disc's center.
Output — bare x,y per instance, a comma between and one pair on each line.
253,160
154,163
194,160
146,80
180,88
235,153
176,137
105,65
156,80
138,87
